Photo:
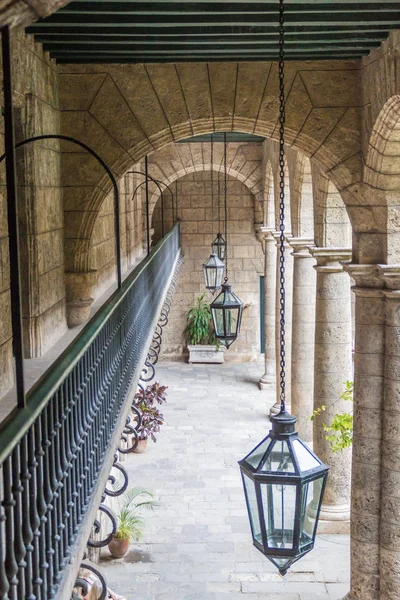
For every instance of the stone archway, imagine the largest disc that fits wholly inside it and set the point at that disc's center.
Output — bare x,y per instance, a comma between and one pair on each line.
127,111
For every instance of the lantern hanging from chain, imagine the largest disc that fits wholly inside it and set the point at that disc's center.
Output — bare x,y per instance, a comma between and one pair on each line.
213,268
227,308
283,480
219,244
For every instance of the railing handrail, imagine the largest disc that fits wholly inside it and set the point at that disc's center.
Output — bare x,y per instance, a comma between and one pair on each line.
18,422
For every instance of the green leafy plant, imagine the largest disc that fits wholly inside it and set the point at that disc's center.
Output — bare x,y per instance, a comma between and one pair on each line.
199,323
129,520
340,431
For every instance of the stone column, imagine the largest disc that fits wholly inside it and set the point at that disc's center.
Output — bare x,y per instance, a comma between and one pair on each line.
264,235
390,447
288,322
303,331
367,434
79,290
333,366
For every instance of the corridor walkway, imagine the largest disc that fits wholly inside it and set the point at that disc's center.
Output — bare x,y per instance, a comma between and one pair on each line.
197,543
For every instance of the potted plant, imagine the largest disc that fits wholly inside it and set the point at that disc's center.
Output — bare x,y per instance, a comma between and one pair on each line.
129,521
152,419
202,346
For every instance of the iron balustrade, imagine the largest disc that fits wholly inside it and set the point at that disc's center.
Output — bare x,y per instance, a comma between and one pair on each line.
52,451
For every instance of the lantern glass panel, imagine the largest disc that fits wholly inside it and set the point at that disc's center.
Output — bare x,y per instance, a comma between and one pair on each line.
279,459
309,509
252,508
305,457
218,321
279,504
256,456
231,321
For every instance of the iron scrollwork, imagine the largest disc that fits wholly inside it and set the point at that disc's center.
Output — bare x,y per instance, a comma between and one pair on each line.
106,510
84,584
117,488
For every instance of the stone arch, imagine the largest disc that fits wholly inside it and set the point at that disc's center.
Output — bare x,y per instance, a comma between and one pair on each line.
301,197
382,176
269,195
244,162
332,226
127,111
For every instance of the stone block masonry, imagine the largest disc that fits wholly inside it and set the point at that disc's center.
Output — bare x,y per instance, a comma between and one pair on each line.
245,259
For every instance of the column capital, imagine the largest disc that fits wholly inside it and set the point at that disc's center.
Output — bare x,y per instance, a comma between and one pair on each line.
277,236
301,246
365,276
390,275
329,260
264,233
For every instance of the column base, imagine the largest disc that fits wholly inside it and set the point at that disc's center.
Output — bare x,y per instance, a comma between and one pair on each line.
334,519
266,381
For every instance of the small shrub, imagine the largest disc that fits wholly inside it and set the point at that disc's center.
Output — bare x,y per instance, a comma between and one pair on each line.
340,431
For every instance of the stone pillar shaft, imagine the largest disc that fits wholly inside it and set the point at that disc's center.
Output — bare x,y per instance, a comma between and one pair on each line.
269,248
303,330
390,447
367,434
333,366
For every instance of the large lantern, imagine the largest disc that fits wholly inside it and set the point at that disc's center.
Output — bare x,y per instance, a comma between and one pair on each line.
219,247
284,484
213,270
226,312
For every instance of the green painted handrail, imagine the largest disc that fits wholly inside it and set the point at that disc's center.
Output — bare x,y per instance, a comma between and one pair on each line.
18,422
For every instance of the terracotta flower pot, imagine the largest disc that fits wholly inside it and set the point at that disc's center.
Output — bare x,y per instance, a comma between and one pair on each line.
141,447
118,547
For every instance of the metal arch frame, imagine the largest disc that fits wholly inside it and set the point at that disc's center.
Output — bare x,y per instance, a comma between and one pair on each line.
158,182
12,211
67,138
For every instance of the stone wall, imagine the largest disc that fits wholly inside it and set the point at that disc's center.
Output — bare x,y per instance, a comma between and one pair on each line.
245,261
40,209
103,248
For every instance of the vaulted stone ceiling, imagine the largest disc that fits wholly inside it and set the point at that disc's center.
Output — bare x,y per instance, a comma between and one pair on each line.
204,30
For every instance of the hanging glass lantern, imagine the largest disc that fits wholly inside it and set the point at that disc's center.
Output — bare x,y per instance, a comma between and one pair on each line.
283,480
284,484
219,247
226,312
213,270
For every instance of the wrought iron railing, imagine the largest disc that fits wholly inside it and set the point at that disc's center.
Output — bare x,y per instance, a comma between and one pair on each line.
52,451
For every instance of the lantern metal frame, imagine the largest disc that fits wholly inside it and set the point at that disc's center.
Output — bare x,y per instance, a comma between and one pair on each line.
300,478
218,267
219,247
225,306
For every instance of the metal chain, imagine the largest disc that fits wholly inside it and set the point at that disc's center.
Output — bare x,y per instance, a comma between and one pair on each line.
282,296
212,188
226,211
219,200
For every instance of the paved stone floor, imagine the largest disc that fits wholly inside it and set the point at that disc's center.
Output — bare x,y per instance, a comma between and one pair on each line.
197,543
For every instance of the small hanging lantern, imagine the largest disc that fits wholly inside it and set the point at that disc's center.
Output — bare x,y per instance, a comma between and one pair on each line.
226,312
213,270
227,308
219,247
283,480
284,484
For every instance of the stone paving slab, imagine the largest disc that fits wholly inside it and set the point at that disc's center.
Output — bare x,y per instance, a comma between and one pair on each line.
197,543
